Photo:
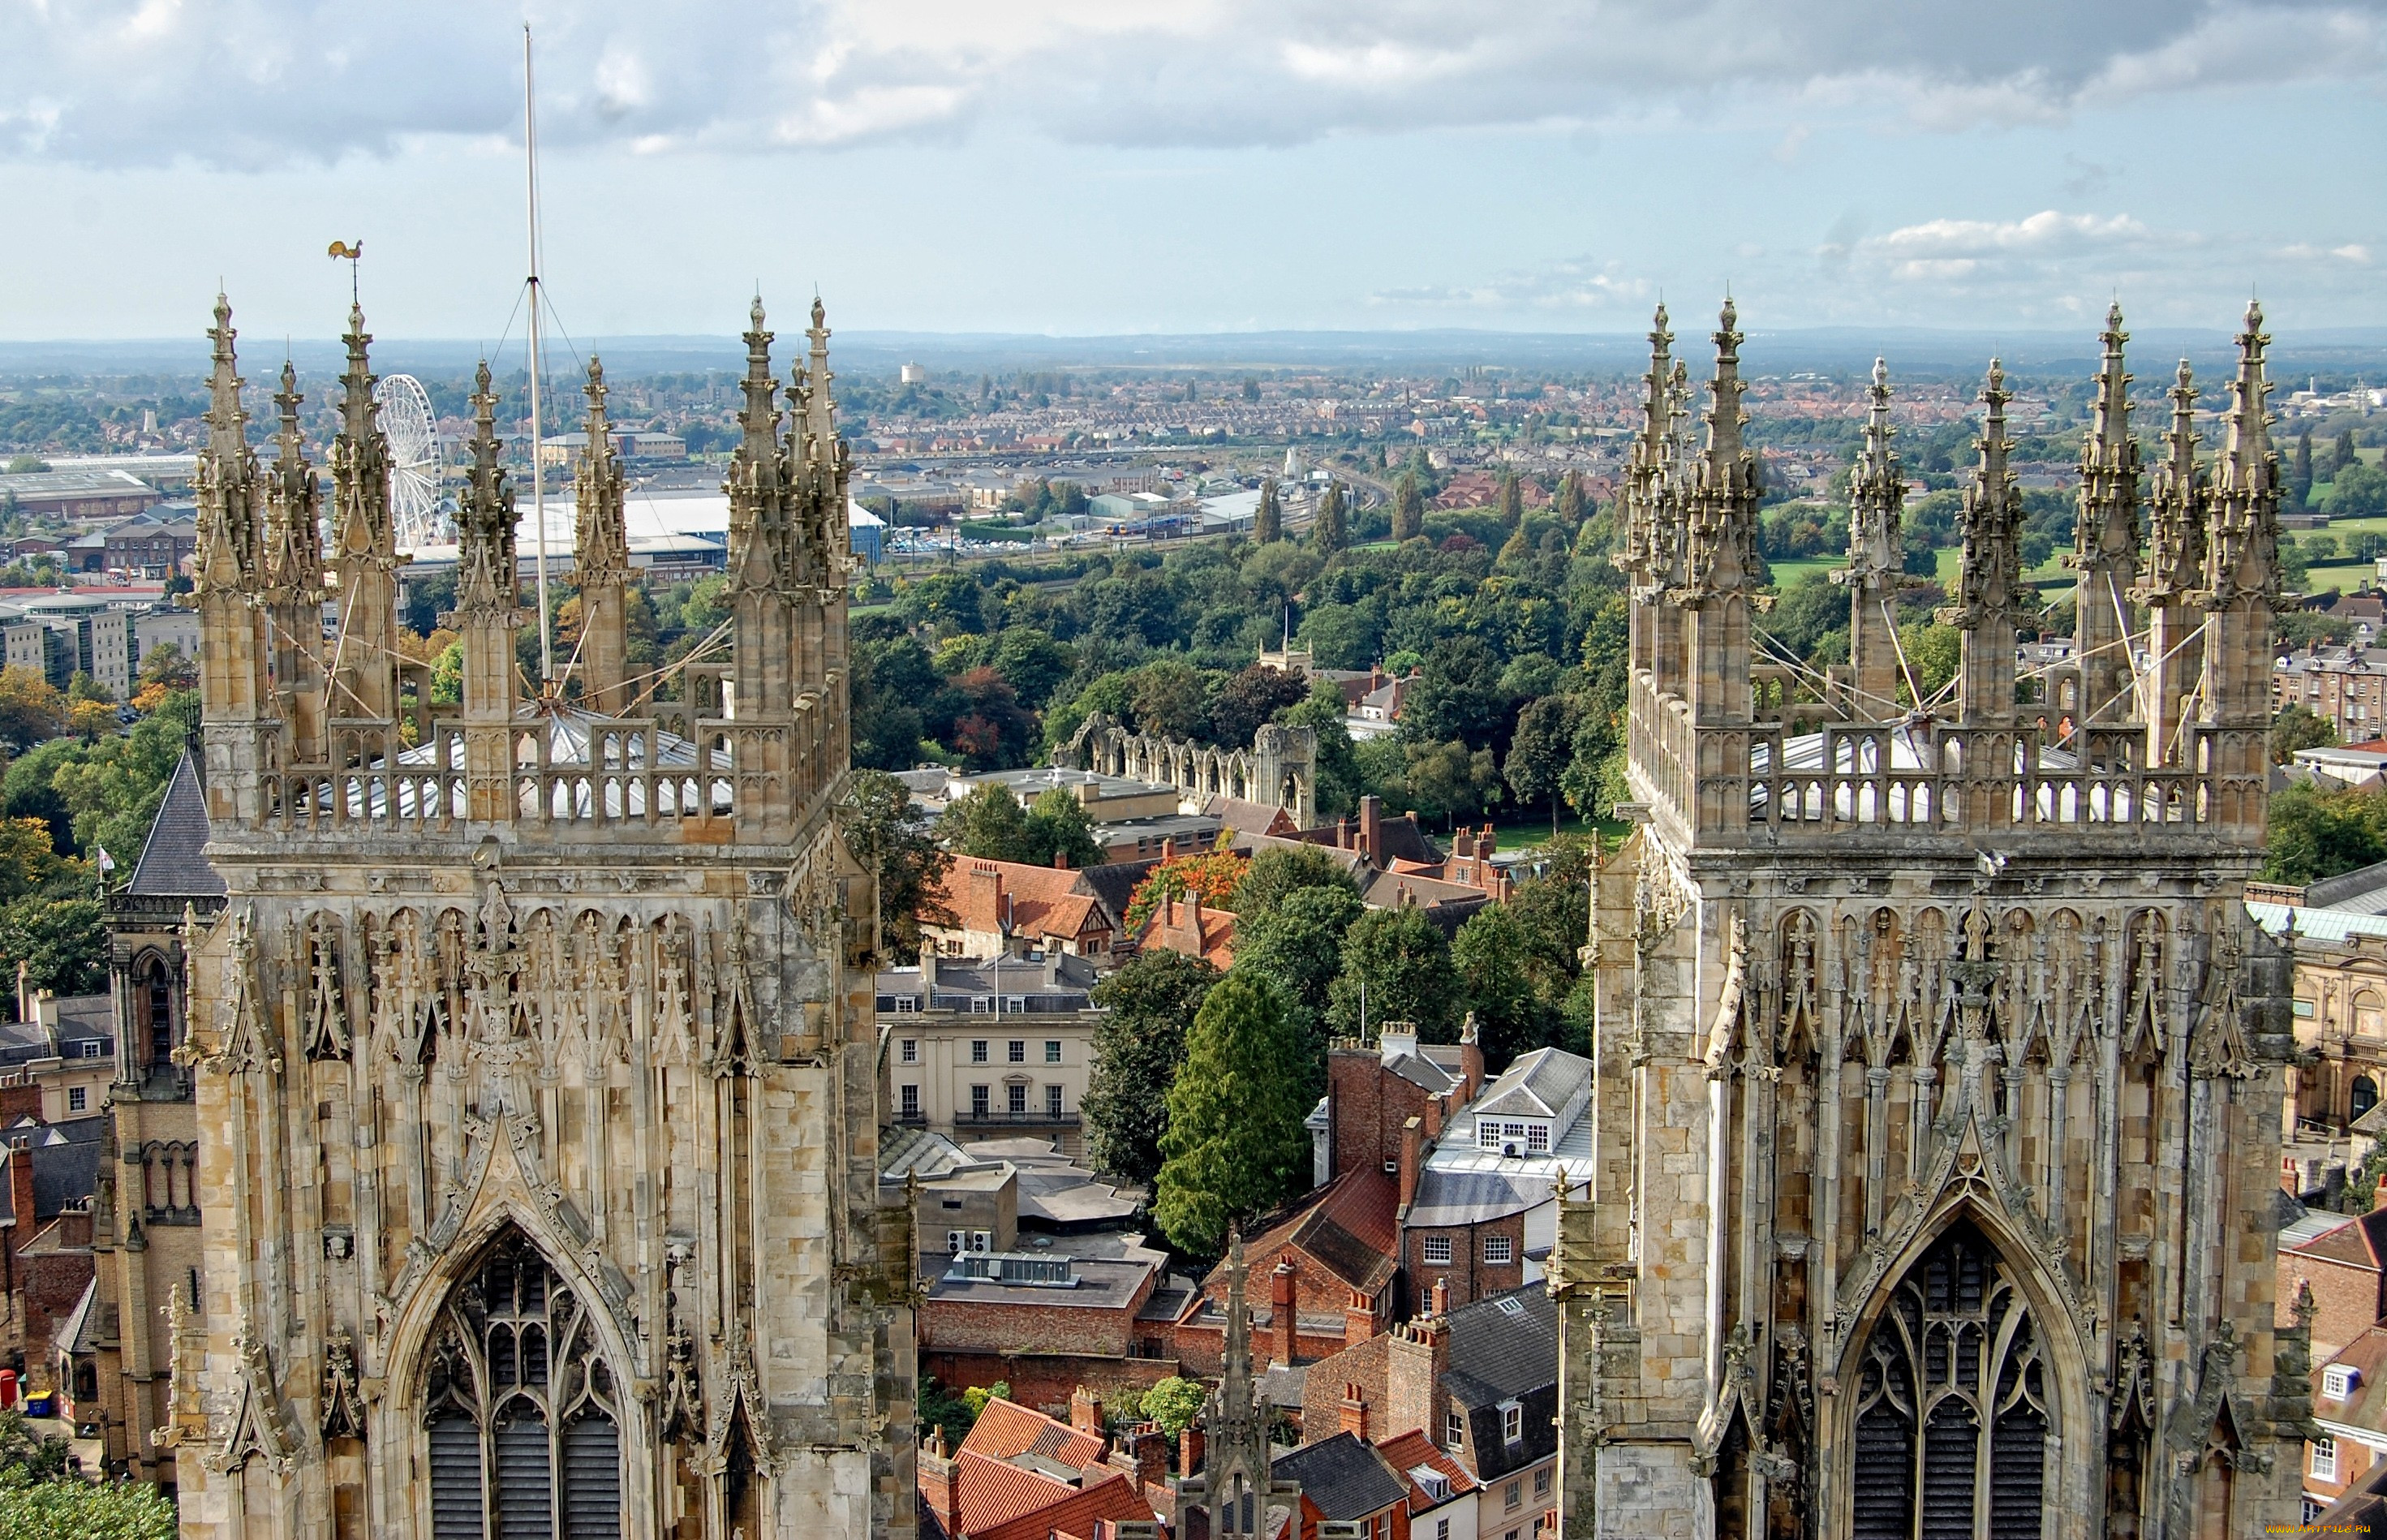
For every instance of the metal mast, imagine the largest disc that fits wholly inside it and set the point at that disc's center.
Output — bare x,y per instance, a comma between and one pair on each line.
538,435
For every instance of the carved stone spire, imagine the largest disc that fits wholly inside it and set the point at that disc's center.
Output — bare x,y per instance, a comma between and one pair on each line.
600,556
362,525
2106,539
236,683
1722,523
2241,568
1991,572
1650,466
225,480
2175,572
757,481
295,555
820,401
1876,527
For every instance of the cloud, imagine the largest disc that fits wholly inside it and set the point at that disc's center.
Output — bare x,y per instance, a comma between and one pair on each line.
1573,284
262,82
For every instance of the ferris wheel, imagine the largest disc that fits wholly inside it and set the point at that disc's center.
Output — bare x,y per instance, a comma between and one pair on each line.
414,461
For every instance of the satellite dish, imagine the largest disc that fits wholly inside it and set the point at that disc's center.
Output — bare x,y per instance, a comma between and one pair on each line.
414,461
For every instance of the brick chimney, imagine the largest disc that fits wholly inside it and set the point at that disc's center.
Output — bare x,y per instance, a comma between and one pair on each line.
1086,1413
938,1488
1416,1359
1358,1318
1470,1060
1168,848
1436,1109
1342,832
986,887
1412,1152
1441,1297
1284,1314
1061,861
1193,1450
1372,830
1150,1447
1355,1411
20,1185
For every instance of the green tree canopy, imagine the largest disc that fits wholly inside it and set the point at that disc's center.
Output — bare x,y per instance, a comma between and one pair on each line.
2298,727
1235,1145
989,824
1396,966
1296,942
887,835
1275,873
2324,833
1409,509
1059,829
1267,519
1136,1047
1540,752
1174,1403
1330,530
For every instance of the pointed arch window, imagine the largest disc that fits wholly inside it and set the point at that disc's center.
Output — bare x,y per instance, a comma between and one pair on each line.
520,1416
1953,1421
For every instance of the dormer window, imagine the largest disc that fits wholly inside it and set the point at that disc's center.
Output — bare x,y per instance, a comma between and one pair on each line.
2340,1381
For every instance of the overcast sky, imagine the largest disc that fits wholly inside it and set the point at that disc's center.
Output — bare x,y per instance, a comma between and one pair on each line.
1085,166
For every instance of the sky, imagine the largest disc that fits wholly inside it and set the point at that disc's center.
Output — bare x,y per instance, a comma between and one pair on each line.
1082,167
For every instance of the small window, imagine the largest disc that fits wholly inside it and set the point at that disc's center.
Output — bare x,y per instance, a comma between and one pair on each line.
1018,1053
1442,1529
978,1051
1542,1481
1488,1134
1052,1051
978,1102
910,1050
910,1101
981,1004
1454,1430
1015,1100
1437,1251
1014,1003
95,1047
1537,1139
2338,1380
1052,1101
1513,1429
1497,1251
2324,1460
906,1005
1516,1492
77,1098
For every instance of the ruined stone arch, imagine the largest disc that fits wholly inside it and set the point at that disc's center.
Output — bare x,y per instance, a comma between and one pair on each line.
1963,1381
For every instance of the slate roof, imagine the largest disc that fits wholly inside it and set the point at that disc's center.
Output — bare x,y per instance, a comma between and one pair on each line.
1541,1084
1346,1225
66,1166
2360,1242
1345,1478
173,861
1501,1354
1112,887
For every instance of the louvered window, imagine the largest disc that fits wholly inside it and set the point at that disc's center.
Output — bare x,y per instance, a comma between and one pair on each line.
521,1441
1952,1423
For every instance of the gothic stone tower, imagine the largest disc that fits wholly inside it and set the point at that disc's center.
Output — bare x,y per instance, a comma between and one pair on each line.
1938,1083
533,1054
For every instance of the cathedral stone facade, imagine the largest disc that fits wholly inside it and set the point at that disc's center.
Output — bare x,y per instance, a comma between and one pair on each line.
532,1047
1939,1070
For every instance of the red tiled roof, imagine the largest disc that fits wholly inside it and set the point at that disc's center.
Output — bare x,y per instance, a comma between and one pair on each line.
1412,1450
2361,1242
1115,1499
2367,1407
1172,926
1346,1225
990,1493
1014,897
1006,1429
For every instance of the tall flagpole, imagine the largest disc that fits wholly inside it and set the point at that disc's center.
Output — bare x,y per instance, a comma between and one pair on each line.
538,436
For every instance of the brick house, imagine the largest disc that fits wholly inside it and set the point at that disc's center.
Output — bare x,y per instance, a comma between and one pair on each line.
1483,1213
1478,1382
1186,926
1010,909
1328,1262
46,1262
1442,1499
1023,1475
2345,1267
1345,1479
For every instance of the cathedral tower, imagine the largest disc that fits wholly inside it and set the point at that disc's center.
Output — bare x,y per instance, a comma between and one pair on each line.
533,1047
1937,1090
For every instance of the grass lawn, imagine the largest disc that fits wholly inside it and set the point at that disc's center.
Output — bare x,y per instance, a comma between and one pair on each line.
1516,832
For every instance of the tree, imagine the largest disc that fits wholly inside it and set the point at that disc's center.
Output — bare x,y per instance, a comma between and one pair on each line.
1296,941
1456,694
1569,503
1409,509
1395,967
1277,873
165,664
1512,502
1330,530
2342,454
1540,752
1248,701
2298,727
32,709
39,1510
2300,470
1448,780
2324,833
61,941
1267,519
1212,874
1235,1144
1171,699
1032,662
1060,832
988,824
887,835
1174,1403
1493,954
1137,1044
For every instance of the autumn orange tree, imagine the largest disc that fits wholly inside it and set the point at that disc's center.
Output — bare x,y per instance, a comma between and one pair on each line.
1212,876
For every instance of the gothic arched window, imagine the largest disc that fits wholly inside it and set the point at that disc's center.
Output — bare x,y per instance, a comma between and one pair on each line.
523,1440
1953,1425
157,1011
